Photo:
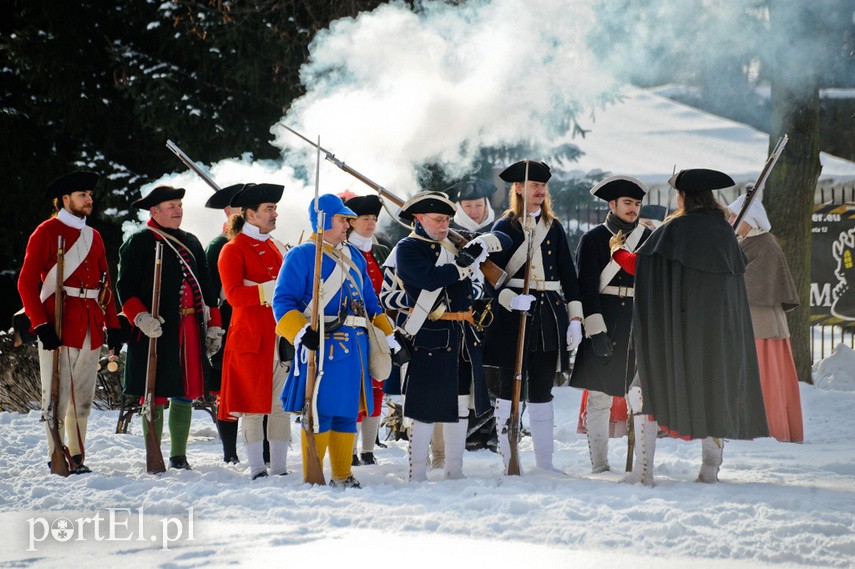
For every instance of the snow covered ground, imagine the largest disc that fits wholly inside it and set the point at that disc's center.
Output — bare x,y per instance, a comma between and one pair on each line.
778,504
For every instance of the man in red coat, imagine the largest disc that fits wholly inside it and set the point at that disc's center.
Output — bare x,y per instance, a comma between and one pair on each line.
251,388
87,306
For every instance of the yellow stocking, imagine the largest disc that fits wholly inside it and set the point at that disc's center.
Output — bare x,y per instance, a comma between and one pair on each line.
321,442
341,454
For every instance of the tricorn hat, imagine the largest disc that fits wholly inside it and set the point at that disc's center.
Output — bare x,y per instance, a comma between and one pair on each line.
537,172
471,189
221,199
365,205
159,195
331,205
254,194
700,179
615,187
427,202
73,182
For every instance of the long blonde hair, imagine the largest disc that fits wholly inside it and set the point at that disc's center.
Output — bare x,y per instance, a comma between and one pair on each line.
515,207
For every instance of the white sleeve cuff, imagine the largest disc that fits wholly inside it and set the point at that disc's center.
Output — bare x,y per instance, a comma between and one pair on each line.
574,308
594,324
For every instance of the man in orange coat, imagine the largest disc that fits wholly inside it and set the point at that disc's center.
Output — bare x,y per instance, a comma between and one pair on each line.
87,306
249,264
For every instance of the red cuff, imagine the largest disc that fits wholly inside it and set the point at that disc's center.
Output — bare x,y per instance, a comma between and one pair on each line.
626,260
216,319
132,307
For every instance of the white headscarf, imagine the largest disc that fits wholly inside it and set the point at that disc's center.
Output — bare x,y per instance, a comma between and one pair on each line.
755,216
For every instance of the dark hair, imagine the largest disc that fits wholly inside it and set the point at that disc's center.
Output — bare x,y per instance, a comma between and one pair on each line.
699,201
237,220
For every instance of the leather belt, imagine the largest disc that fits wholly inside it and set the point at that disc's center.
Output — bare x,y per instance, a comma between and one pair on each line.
453,316
458,316
535,284
81,292
620,291
187,311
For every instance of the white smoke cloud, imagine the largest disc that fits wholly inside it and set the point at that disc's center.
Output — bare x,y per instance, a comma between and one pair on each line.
393,88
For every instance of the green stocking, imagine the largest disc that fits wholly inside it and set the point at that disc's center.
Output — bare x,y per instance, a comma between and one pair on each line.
179,426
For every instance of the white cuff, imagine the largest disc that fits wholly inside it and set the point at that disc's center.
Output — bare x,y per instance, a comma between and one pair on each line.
505,298
594,324
574,308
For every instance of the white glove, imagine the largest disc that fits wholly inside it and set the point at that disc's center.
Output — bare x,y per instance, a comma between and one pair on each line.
265,290
299,336
213,340
522,302
574,334
393,343
148,324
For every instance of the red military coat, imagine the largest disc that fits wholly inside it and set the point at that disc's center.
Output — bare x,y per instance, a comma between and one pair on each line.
251,340
80,315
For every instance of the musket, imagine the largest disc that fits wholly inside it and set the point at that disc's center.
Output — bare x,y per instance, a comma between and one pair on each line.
514,427
192,165
492,272
314,468
60,459
761,179
153,456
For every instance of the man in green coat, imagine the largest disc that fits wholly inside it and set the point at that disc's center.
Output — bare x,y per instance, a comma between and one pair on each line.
187,326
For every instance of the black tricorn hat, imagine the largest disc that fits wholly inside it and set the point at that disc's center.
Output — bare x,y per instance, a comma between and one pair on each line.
159,195
537,172
427,202
222,198
700,179
254,194
615,187
651,211
73,182
472,189
365,205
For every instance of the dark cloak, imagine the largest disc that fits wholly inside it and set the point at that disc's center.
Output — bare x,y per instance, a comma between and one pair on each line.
693,335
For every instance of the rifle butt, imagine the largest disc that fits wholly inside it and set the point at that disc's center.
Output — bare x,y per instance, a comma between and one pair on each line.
630,444
514,468
153,456
314,470
58,460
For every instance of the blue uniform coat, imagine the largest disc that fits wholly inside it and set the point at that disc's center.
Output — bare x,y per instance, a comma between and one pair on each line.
345,381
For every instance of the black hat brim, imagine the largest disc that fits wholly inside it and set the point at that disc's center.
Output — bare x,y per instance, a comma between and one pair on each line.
222,198
537,172
365,205
699,180
616,187
159,195
427,202
73,182
255,194
471,189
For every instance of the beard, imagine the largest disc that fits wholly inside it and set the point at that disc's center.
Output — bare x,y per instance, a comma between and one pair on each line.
82,211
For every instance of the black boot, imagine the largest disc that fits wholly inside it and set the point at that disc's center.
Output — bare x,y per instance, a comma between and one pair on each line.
368,458
349,482
228,435
78,467
179,462
355,461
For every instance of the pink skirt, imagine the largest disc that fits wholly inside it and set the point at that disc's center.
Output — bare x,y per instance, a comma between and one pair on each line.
780,389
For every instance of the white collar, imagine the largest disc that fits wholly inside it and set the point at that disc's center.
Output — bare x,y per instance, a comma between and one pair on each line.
251,230
466,222
535,214
70,219
362,243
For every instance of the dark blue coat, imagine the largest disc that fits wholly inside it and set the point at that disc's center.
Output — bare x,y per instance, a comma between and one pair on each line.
547,328
433,371
614,374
